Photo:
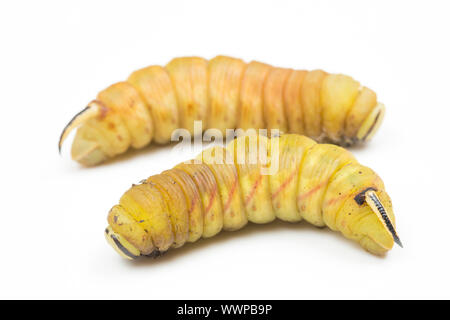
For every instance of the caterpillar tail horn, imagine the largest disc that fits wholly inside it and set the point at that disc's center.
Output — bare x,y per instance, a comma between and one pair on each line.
376,205
92,110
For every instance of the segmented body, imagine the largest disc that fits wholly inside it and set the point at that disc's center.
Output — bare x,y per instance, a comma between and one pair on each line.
227,187
224,93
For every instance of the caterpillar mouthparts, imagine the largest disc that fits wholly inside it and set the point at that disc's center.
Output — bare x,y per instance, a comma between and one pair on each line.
289,177
223,93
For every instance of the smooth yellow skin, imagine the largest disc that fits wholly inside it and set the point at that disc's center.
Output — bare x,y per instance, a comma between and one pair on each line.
190,79
157,90
209,195
318,166
176,203
315,182
274,114
234,216
225,75
224,93
193,202
252,96
284,183
292,101
337,96
311,105
255,186
124,99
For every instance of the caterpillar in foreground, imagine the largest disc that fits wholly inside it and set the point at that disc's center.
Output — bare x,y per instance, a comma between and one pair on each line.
227,187
224,93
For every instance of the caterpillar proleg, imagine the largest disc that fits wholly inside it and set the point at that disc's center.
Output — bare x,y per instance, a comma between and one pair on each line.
224,93
226,187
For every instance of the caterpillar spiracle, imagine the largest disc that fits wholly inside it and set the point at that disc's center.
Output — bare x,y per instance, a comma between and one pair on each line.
225,188
224,93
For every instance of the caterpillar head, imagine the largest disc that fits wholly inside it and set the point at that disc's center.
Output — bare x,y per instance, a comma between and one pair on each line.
125,248
371,124
121,245
125,235
129,237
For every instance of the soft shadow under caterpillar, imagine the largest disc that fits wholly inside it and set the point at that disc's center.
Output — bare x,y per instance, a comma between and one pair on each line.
320,183
225,93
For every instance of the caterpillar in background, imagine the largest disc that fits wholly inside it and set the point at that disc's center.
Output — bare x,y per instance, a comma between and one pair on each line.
227,187
224,93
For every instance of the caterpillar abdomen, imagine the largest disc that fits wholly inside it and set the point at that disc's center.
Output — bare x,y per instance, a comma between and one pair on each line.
224,93
254,179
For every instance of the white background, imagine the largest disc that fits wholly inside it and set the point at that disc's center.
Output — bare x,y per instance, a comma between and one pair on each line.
55,56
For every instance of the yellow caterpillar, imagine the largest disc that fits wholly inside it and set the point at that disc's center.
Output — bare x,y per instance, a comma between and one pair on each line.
227,187
224,93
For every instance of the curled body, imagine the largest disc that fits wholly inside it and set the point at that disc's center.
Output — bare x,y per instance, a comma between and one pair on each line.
223,93
254,179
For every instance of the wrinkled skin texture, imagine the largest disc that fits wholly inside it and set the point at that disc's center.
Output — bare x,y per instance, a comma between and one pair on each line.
322,184
224,93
